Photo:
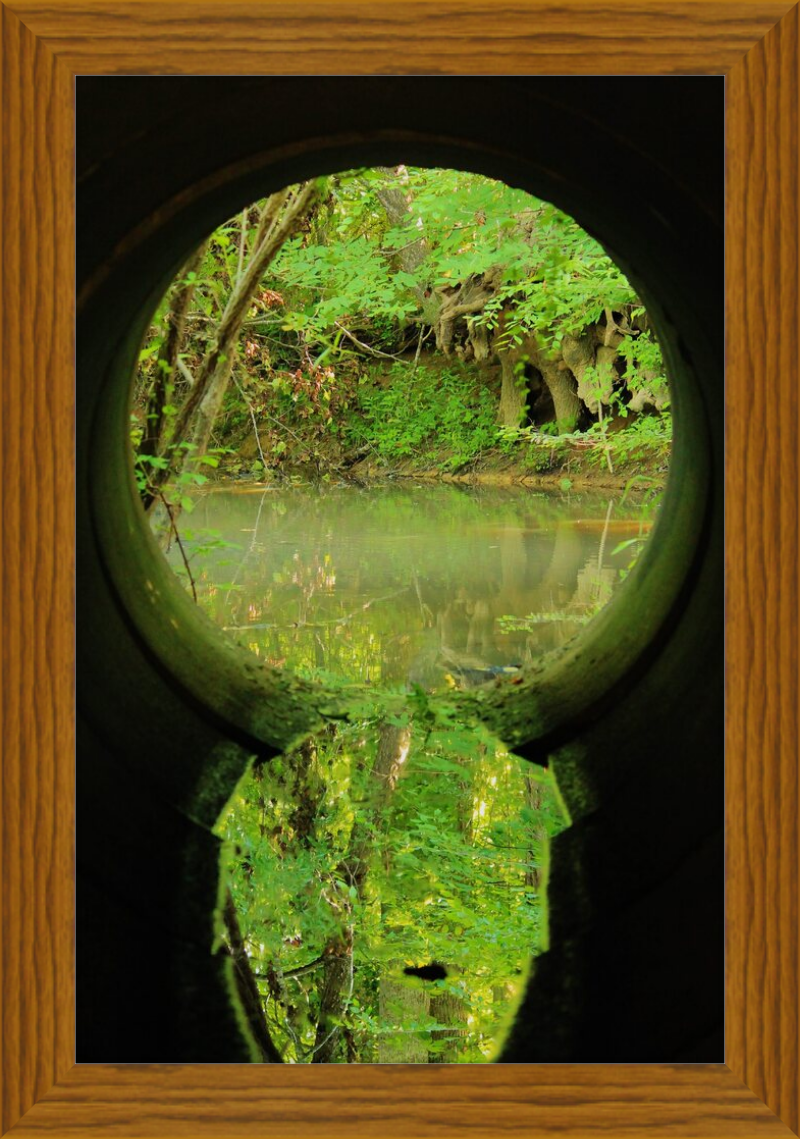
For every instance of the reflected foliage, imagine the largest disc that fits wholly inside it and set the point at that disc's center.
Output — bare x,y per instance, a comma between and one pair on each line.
376,848
389,874
398,586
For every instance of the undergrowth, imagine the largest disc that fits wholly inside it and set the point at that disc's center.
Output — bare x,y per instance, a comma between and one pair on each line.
438,413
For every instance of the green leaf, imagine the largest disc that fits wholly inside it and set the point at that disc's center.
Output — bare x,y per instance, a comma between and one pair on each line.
151,350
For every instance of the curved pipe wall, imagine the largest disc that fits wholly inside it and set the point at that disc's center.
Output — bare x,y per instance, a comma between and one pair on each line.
169,714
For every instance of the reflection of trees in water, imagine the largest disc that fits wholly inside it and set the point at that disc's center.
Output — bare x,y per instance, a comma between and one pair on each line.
422,631
594,587
564,588
410,600
368,847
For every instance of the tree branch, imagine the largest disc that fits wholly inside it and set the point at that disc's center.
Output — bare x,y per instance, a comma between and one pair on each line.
169,355
277,230
365,347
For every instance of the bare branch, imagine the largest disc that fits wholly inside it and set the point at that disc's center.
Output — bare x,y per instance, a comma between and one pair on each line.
169,355
365,347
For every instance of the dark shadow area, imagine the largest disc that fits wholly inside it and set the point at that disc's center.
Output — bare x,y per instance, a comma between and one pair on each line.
630,721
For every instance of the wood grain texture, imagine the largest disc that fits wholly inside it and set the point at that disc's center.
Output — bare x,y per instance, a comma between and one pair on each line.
397,1101
37,545
762,570
36,804
353,37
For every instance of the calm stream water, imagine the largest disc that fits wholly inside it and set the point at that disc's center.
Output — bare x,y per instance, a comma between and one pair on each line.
405,584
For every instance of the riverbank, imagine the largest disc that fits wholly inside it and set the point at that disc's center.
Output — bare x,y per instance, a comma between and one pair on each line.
570,468
443,427
501,471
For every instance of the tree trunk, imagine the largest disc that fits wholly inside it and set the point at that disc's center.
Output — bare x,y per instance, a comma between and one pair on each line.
279,220
152,440
396,203
514,386
393,744
554,372
480,341
336,979
606,355
400,1004
533,798
579,354
465,299
444,306
448,1009
513,393
563,389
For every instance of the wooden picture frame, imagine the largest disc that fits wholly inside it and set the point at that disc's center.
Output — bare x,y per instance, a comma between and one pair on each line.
755,44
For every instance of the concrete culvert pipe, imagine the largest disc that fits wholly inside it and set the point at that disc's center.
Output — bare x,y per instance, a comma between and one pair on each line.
631,720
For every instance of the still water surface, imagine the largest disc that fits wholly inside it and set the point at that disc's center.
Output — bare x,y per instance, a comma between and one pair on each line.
396,585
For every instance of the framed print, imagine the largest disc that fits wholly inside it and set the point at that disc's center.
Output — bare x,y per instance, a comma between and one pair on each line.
167,718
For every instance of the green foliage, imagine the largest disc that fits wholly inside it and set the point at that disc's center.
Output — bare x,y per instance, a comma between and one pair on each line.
647,438
425,412
559,280
449,868
644,366
539,448
180,491
649,506
298,412
443,855
362,277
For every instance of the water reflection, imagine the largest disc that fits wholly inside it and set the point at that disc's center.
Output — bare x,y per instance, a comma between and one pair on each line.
396,585
384,843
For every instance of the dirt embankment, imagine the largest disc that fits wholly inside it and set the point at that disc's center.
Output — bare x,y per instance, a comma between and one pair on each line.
501,470
493,470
